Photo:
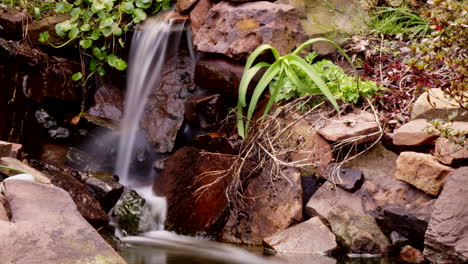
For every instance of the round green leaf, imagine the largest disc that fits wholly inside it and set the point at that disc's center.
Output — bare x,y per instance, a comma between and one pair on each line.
73,33
44,36
127,7
77,76
106,22
139,15
98,53
86,43
85,27
117,32
95,35
63,7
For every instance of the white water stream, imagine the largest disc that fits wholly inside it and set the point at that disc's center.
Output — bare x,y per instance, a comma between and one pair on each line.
150,45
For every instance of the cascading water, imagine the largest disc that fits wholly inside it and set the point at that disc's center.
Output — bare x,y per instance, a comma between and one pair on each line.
152,43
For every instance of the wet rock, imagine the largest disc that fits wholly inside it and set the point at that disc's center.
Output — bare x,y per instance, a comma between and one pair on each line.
398,207
219,75
328,197
78,159
194,185
54,154
204,112
346,178
423,171
308,148
11,24
47,228
435,104
183,5
446,238
398,241
414,133
21,167
198,14
358,232
272,204
164,112
450,153
360,126
216,142
129,212
105,188
8,149
310,237
5,213
87,205
47,24
107,103
310,185
306,259
411,255
236,30
376,163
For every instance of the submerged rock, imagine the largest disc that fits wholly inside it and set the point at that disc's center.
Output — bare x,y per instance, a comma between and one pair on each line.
423,171
358,232
46,227
310,237
271,204
446,238
236,30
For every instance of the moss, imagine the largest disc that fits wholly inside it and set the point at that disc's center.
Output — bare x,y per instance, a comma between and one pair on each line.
129,210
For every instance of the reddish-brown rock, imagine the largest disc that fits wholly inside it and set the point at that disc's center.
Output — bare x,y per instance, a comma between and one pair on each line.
198,14
271,204
236,30
423,171
195,186
449,153
410,254
219,75
107,103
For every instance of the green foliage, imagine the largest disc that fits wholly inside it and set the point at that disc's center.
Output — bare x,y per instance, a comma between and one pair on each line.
97,25
36,8
398,21
283,70
443,56
446,130
129,211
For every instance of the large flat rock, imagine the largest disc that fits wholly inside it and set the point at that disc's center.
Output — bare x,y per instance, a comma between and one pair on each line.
446,238
46,227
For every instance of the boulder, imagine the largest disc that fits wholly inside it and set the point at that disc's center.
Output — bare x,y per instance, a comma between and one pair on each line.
272,203
198,14
107,103
435,104
423,171
410,254
217,142
46,227
21,167
305,259
11,24
47,24
446,238
87,205
328,197
414,133
376,163
450,153
8,149
219,75
194,184
309,237
308,149
235,30
54,154
360,126
205,112
164,112
129,211
358,232
348,179
5,213
5,149
105,189
183,5
398,207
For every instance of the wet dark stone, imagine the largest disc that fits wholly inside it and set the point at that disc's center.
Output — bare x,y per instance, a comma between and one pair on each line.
129,210
105,188
11,24
398,240
218,75
107,103
87,205
350,179
204,112
215,142
310,185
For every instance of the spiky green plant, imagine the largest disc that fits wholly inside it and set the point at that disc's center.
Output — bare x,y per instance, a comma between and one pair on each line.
280,69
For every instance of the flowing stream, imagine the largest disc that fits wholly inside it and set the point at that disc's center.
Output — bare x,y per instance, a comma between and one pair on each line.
151,44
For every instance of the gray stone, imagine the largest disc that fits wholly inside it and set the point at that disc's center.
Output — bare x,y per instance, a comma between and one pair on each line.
347,179
398,240
328,197
423,171
414,133
47,228
446,238
435,104
105,188
359,126
358,232
236,30
310,237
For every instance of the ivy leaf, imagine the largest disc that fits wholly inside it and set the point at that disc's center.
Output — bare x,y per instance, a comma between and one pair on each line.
116,62
63,7
98,53
127,7
139,15
73,33
44,36
77,76
86,43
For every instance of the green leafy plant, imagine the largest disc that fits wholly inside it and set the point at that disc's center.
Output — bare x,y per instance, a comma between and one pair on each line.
399,20
98,28
284,68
